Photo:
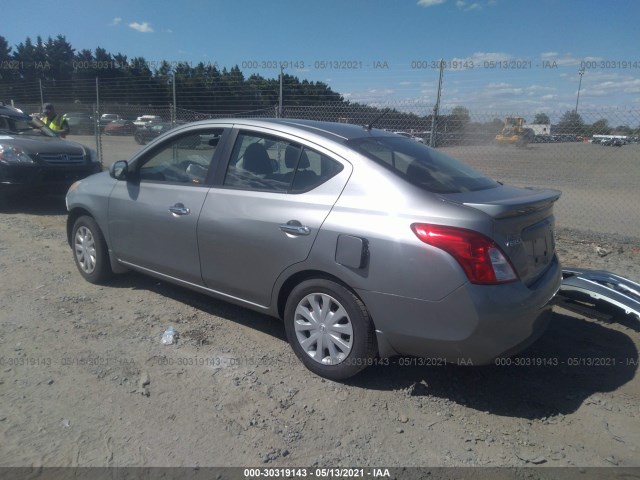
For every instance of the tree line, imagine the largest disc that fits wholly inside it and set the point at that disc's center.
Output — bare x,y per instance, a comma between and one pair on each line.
69,76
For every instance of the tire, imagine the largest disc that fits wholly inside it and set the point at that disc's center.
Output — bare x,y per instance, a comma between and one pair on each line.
90,251
348,341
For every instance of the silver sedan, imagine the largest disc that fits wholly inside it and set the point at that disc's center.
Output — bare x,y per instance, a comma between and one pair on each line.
367,244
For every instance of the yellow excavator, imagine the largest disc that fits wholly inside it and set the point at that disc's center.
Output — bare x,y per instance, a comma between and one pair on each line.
514,132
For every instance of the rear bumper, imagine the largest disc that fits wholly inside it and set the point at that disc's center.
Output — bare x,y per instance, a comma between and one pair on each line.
475,324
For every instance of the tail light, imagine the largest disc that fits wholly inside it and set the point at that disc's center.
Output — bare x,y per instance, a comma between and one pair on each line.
481,259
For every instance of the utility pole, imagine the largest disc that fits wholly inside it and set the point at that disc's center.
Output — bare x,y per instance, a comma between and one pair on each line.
436,108
581,73
41,95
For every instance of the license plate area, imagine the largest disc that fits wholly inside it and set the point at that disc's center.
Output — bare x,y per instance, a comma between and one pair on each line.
539,244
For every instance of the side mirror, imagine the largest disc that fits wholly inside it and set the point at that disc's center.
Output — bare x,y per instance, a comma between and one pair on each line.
119,170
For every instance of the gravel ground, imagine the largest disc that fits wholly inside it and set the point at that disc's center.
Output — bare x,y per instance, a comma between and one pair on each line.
85,380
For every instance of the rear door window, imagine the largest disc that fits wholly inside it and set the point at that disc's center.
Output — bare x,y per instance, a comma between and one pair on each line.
261,162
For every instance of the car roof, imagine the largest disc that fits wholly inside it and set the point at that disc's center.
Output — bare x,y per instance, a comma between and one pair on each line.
330,130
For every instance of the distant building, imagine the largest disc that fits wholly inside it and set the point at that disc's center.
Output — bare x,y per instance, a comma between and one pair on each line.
540,128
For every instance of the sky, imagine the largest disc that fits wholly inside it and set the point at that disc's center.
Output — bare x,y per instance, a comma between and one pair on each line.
512,56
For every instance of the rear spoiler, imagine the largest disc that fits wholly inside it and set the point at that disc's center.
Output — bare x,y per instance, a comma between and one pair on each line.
505,208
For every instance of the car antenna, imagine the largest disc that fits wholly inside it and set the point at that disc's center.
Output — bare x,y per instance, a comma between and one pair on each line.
370,126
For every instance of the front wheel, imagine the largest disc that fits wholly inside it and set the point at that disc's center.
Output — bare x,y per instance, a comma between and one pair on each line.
329,329
90,251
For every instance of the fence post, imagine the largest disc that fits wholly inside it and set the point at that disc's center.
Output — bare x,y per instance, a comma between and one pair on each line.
279,115
174,107
41,95
97,122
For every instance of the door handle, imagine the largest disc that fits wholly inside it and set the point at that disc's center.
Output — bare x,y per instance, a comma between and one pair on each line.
294,227
179,209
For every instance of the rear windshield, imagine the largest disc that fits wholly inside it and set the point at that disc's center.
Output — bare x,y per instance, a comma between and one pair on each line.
423,166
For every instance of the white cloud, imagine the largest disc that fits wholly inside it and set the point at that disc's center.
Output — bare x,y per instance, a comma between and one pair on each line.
373,96
115,22
463,5
430,3
143,27
478,59
626,85
566,59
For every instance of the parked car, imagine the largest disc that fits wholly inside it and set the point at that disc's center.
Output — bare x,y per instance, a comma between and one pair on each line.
80,123
146,119
150,131
120,127
408,135
109,117
366,244
33,158
613,142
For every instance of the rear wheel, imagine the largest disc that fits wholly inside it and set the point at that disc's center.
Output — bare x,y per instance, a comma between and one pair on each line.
90,251
329,329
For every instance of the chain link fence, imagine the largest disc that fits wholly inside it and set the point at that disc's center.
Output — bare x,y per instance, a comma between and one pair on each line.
592,156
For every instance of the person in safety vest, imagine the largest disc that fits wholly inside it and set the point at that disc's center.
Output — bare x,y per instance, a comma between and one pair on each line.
57,123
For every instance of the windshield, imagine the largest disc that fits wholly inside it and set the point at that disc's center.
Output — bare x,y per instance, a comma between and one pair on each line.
24,126
423,166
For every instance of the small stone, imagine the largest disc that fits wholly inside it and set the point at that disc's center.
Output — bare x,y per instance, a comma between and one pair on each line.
403,419
50,382
399,430
144,379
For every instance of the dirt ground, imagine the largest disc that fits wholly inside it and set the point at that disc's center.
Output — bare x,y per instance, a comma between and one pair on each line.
85,380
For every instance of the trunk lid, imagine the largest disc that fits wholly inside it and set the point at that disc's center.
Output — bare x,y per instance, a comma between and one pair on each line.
523,224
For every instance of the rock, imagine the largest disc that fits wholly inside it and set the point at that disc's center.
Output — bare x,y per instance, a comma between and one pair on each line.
144,380
403,419
603,252
50,382
538,460
399,430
